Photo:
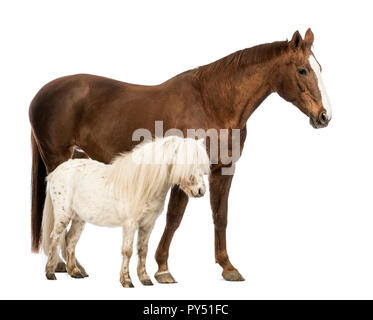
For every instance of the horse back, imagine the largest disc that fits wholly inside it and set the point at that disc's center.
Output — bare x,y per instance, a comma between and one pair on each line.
99,114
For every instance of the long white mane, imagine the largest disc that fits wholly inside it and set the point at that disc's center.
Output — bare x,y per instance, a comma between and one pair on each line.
151,167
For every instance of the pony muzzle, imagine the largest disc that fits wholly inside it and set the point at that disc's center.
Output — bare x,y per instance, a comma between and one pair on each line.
200,193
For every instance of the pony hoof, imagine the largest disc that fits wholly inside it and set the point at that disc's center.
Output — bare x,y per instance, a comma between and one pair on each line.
76,274
61,267
164,277
147,282
51,276
232,276
84,273
82,270
127,284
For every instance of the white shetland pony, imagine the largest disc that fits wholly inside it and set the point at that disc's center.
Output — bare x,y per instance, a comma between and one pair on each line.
129,193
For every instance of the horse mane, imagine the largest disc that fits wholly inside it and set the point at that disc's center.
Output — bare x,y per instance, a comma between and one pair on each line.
246,57
150,167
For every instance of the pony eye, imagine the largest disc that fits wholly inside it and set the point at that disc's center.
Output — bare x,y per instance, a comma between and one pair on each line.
303,72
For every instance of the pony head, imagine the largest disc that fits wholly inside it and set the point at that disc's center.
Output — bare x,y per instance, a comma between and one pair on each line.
189,164
194,186
300,82
151,168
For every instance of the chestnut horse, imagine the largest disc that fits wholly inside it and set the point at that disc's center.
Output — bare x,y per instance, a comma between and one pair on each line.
99,116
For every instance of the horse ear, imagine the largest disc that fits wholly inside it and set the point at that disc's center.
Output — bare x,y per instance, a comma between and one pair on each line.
296,41
308,38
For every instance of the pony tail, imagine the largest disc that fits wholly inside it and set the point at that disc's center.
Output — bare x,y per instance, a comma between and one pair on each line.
47,224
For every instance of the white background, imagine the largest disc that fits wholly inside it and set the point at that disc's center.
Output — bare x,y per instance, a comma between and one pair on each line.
300,212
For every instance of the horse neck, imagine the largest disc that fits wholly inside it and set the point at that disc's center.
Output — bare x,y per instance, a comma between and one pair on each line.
231,94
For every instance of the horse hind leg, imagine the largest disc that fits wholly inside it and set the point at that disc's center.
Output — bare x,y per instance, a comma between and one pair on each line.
73,267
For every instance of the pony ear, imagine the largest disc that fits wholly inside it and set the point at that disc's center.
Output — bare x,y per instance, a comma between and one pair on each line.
296,41
308,38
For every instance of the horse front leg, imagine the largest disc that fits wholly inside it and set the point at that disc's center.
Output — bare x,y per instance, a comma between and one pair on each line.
129,230
219,192
175,212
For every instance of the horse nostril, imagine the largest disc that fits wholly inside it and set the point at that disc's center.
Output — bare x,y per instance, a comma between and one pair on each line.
200,192
323,118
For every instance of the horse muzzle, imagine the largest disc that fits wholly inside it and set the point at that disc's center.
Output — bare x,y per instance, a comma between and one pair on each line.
321,122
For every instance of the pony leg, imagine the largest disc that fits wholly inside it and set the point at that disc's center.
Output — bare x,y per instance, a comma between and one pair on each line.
219,192
142,250
60,225
51,159
129,230
74,269
61,266
176,208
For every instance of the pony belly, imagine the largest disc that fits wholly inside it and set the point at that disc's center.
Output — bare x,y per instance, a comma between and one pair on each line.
94,204
98,214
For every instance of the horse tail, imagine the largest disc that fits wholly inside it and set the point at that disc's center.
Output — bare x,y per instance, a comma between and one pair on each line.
48,223
38,187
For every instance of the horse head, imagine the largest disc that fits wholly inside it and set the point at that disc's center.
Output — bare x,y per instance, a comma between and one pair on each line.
299,80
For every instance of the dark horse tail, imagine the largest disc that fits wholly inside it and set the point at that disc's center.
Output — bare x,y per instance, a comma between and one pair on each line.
38,189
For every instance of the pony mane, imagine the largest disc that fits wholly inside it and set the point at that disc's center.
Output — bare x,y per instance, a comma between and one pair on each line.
246,57
151,168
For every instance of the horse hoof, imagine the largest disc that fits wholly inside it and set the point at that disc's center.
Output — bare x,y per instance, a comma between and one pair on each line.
147,282
61,267
51,276
232,276
164,277
127,284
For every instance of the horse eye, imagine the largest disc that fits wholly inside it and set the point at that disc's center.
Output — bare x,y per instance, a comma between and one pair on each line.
303,72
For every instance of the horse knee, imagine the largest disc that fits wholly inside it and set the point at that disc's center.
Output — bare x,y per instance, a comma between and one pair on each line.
220,222
173,224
